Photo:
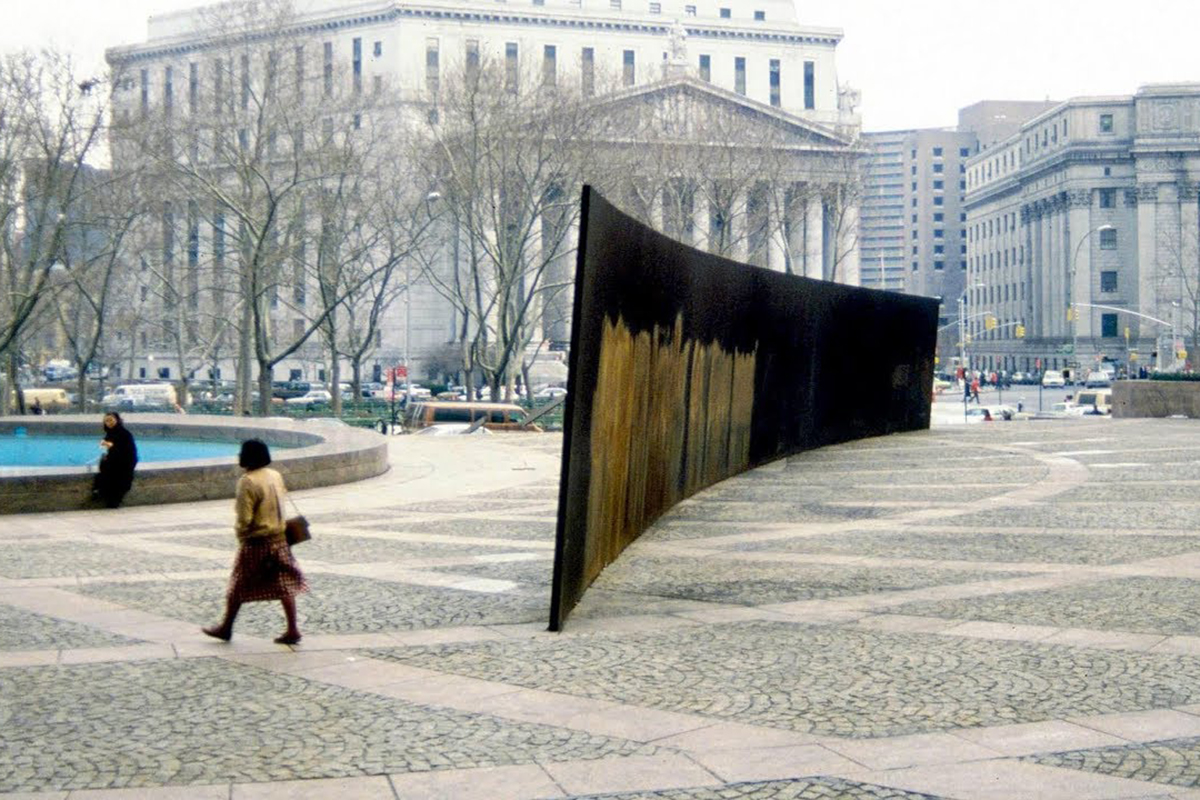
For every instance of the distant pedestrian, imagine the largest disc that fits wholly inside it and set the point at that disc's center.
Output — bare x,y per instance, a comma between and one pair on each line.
115,476
36,408
975,389
264,568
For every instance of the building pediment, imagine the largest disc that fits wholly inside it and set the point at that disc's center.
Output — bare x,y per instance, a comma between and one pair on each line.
691,111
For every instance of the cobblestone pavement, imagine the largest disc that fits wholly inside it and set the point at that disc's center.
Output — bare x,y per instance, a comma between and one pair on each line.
1175,762
993,611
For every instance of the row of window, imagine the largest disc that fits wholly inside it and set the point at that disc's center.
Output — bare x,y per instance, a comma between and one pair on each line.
938,152
1046,138
224,74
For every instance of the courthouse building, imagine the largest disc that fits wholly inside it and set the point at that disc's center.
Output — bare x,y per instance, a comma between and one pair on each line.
752,56
1082,231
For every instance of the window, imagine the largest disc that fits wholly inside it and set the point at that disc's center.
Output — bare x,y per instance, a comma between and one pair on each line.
549,65
938,217
193,87
810,85
914,249
298,55
962,265
1108,281
472,59
937,152
629,73
433,77
939,168
916,266
964,152
939,265
356,63
614,4
939,201
1108,238
939,185
962,186
914,233
914,186
689,10
328,68
725,13
1108,198
378,51
656,8
145,92
1108,326
510,66
739,75
1106,123
168,90
939,249
705,68
245,82
775,83
760,16
938,233
589,71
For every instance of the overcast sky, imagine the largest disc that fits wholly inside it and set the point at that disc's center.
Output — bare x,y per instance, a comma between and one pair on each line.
916,62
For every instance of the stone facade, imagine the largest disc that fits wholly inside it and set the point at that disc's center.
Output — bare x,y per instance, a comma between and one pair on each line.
754,56
1092,205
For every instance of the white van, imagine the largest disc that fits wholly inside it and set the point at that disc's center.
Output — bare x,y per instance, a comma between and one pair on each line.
141,395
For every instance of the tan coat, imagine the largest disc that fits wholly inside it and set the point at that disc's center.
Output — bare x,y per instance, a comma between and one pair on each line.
260,495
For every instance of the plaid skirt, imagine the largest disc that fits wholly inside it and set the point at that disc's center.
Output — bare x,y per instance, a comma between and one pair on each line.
265,570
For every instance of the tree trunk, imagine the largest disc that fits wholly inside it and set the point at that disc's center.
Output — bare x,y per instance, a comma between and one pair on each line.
264,389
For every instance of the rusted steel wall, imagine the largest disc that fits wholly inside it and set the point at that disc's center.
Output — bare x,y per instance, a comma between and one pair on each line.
687,368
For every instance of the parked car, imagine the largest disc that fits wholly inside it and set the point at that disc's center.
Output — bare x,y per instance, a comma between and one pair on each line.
1053,378
313,397
551,392
1097,380
1094,400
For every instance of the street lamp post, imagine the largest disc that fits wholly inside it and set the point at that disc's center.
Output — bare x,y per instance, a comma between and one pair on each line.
1073,303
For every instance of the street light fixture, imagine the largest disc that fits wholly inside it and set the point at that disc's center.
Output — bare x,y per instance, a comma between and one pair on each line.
1073,304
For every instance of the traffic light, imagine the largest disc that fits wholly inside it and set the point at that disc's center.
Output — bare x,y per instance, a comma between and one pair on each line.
1070,313
1019,331
989,323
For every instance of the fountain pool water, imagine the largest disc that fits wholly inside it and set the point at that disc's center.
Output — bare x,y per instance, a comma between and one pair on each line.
23,449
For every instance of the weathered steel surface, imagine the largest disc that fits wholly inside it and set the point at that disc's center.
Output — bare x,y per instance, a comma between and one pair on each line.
686,368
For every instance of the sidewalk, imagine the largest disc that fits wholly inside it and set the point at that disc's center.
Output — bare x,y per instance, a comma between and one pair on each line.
984,611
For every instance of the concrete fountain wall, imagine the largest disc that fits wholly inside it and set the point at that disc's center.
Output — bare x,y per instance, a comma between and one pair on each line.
308,453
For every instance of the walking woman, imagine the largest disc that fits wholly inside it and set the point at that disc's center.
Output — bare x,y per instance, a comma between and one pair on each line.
264,568
115,477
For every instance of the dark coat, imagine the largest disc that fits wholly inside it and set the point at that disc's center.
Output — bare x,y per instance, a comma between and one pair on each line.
115,478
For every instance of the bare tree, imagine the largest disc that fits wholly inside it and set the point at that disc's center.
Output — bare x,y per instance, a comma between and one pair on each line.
286,154
50,123
506,151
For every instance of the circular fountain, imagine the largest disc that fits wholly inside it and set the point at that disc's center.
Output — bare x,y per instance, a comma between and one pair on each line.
182,464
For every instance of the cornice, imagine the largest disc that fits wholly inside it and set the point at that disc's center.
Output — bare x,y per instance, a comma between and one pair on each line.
183,45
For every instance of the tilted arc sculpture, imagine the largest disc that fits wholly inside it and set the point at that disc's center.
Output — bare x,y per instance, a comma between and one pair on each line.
687,368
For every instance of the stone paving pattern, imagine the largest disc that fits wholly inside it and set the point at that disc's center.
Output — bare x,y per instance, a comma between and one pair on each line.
846,623
1175,762
23,630
818,789
1143,605
856,684
177,720
1048,548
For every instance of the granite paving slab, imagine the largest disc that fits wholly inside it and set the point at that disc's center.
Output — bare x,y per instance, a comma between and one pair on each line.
473,505
972,545
830,680
1138,604
348,549
535,572
808,789
204,721
757,583
884,474
532,530
1144,516
1175,762
65,559
1134,492
797,512
25,630
335,604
